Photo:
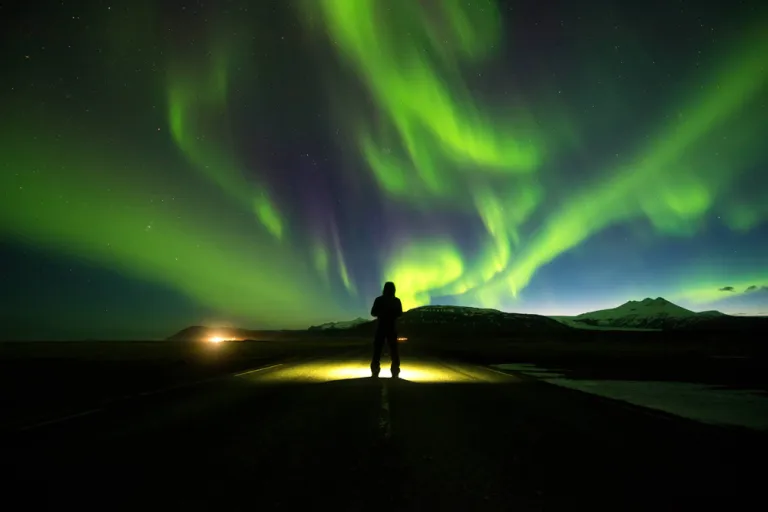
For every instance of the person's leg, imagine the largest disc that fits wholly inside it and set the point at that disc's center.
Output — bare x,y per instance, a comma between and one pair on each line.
378,344
394,353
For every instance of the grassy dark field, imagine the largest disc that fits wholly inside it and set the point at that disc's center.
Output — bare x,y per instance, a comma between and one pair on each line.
240,424
44,380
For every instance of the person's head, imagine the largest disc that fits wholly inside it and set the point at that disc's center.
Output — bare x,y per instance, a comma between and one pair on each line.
389,288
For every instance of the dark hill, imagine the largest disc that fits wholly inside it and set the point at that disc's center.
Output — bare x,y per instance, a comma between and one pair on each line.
727,323
456,321
441,321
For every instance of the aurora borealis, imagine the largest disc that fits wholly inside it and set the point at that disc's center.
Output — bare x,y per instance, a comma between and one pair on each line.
270,164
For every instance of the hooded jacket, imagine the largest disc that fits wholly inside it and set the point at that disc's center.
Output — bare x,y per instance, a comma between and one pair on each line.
387,308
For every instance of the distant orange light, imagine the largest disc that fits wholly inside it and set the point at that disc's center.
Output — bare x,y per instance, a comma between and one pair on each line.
222,339
402,339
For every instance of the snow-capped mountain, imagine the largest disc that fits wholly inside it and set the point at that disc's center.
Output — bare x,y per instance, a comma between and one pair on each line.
339,325
648,313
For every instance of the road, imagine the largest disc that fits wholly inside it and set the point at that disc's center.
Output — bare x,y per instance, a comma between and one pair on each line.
318,432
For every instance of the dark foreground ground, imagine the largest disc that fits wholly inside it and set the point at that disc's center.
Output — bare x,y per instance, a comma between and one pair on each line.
275,427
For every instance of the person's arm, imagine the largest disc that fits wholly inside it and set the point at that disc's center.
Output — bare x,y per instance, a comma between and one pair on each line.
375,308
399,308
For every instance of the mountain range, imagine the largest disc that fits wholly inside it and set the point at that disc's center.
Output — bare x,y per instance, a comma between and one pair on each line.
459,321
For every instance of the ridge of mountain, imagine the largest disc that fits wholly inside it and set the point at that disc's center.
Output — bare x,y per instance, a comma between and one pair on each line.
648,313
461,321
339,325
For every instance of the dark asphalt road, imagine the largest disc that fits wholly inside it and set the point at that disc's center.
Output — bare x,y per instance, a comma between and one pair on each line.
316,433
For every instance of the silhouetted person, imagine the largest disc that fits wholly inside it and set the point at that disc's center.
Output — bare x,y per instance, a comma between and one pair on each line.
386,308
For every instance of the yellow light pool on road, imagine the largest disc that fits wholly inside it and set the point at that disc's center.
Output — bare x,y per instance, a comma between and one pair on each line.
344,370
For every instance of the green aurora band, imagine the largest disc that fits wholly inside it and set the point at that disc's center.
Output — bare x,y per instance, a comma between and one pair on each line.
675,181
72,186
197,116
672,182
68,204
437,139
434,123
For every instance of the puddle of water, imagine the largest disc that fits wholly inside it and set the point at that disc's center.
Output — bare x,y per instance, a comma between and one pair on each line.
700,402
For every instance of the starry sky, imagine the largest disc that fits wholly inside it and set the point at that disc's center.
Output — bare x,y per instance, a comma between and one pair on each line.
269,164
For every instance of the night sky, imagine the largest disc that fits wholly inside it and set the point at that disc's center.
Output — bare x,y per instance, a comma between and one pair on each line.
269,164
